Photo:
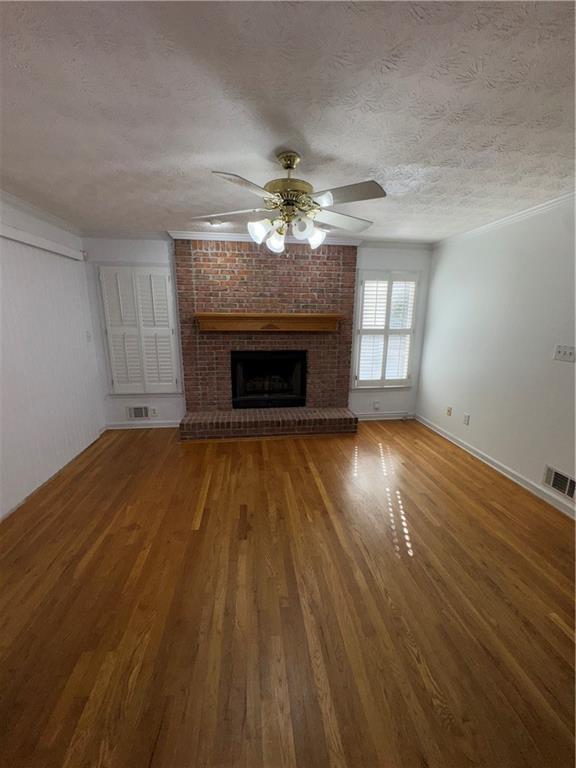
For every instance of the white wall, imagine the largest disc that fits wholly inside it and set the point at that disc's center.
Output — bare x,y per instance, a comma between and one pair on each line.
398,401
50,405
159,252
499,301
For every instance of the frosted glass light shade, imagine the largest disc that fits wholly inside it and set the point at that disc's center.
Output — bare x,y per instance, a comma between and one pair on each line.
325,199
276,242
258,230
302,228
317,237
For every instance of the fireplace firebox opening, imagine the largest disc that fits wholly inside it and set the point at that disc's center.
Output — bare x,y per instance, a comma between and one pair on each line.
268,379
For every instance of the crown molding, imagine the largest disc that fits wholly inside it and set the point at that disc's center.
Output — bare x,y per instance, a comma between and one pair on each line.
425,245
244,237
6,198
161,237
526,213
27,238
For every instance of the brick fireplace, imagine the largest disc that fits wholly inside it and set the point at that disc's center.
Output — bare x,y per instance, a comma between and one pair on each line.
242,277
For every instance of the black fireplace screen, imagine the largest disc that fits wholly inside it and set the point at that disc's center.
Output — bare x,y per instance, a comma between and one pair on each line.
268,379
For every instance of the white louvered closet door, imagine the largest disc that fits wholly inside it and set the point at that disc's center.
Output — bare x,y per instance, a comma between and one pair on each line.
140,329
157,327
122,330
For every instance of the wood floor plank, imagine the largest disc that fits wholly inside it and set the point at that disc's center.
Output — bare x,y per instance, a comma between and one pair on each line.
379,600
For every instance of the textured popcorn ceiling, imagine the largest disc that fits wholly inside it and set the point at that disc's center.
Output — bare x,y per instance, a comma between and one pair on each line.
113,114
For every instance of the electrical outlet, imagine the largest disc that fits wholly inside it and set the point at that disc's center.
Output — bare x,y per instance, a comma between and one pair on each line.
466,419
449,411
376,405
564,353
152,412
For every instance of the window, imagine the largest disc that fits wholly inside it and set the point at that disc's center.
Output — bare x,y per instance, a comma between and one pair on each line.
385,328
139,311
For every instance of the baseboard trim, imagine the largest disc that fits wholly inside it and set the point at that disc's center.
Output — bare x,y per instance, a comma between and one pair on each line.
383,415
155,424
511,474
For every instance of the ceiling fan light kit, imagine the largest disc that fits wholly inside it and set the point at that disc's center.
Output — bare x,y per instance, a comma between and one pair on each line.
275,242
259,230
317,238
292,203
302,228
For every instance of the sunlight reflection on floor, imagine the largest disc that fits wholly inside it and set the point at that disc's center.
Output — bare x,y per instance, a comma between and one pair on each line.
387,470
395,505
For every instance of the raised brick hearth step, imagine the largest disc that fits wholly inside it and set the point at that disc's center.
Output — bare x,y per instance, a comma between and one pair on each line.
258,422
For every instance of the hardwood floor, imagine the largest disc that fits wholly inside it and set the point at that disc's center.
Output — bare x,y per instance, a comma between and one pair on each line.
381,600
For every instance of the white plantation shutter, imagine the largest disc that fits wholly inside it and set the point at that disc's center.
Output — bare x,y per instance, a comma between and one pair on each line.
385,325
119,298
122,331
158,362
374,304
153,291
126,362
153,300
139,313
371,357
397,357
402,304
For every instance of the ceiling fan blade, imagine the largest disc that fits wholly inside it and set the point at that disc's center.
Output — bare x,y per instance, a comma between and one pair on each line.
232,214
351,193
244,183
342,221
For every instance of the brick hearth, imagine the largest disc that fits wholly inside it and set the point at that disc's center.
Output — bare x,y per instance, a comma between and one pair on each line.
256,422
217,276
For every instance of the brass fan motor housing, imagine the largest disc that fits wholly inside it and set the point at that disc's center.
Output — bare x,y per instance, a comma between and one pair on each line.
292,196
283,186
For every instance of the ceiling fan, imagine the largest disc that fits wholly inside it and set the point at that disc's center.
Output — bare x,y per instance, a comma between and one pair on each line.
293,203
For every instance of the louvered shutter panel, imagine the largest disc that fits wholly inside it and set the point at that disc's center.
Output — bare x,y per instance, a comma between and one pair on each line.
122,330
374,304
126,362
158,341
402,304
371,357
153,300
401,318
373,318
385,328
397,356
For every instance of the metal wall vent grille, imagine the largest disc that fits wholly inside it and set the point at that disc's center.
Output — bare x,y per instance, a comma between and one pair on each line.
560,482
138,412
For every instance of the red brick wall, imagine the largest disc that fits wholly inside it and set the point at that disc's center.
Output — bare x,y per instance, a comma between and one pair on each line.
233,276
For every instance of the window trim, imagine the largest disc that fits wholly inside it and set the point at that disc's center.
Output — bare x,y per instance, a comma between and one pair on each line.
391,276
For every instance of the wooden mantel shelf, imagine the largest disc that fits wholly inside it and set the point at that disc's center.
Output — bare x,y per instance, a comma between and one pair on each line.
267,322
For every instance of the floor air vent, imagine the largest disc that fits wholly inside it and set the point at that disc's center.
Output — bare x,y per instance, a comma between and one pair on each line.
560,482
138,412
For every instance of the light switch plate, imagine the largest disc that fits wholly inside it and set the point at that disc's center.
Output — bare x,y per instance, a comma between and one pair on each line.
564,353
466,419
